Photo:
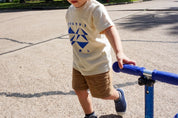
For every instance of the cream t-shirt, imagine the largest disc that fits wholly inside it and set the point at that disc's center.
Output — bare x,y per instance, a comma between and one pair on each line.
91,50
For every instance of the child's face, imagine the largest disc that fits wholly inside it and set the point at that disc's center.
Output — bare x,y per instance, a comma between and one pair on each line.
77,3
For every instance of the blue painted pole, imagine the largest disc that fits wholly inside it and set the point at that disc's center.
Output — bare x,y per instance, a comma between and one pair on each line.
149,101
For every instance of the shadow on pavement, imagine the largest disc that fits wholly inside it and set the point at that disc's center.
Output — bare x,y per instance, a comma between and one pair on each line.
23,95
125,84
110,116
150,20
50,93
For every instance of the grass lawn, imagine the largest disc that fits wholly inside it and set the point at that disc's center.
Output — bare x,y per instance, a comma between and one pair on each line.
34,5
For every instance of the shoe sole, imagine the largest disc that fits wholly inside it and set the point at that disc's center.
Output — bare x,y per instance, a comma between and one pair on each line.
121,113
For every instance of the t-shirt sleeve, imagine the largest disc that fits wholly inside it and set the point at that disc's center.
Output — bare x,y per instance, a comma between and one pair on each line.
101,19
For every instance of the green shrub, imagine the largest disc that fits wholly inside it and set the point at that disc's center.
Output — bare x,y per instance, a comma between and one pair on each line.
16,1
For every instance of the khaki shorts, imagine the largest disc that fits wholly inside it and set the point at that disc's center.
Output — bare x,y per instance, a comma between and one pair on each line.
100,85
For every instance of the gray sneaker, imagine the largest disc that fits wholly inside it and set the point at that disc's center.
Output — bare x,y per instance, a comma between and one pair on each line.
120,104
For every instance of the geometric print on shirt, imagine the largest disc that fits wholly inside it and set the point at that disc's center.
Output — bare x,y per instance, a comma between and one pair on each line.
79,37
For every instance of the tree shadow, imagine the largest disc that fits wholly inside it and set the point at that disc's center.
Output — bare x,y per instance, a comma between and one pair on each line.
30,95
110,116
50,93
151,20
125,84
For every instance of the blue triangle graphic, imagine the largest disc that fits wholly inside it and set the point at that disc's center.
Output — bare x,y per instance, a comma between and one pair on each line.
78,36
72,42
84,32
77,31
82,44
85,37
70,31
72,38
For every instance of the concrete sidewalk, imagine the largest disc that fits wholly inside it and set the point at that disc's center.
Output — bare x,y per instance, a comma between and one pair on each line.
149,5
36,61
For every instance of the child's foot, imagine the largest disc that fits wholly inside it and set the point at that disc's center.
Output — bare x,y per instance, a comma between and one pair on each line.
120,104
92,115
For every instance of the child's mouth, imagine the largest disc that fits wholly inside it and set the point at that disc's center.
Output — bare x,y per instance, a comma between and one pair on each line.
74,2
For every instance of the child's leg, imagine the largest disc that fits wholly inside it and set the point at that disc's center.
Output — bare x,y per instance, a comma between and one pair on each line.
80,86
85,101
100,86
114,96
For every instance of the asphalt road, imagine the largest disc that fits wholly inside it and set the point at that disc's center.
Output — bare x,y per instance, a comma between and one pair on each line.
36,61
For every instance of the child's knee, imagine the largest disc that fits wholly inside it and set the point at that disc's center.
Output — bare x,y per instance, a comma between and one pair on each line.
81,93
113,96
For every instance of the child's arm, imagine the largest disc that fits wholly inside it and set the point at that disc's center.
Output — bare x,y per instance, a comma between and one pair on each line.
114,39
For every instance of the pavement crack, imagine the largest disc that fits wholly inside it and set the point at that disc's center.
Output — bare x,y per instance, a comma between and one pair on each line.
16,41
33,44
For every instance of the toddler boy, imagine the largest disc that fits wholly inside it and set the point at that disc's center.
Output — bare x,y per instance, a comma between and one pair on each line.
92,33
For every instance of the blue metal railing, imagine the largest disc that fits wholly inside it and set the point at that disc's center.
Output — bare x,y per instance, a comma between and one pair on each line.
148,79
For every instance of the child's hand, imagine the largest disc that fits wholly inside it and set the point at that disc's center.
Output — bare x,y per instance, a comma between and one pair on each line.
123,59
